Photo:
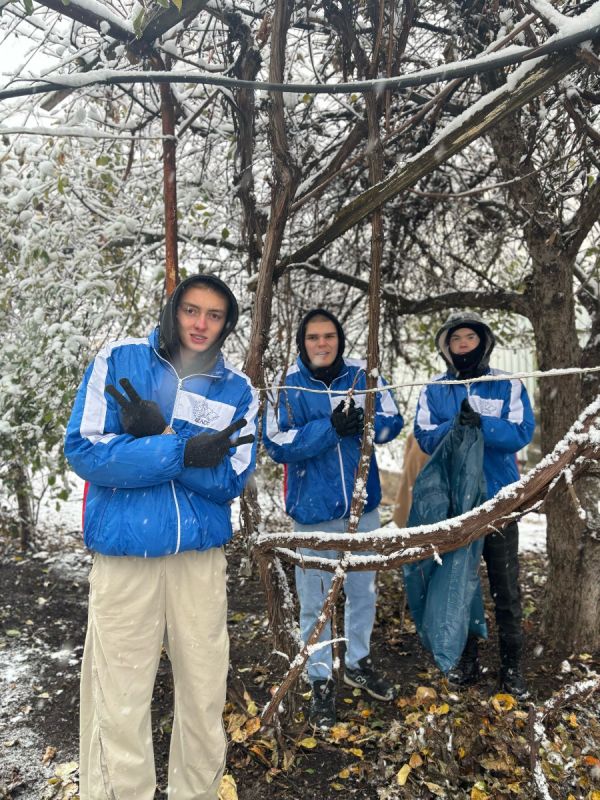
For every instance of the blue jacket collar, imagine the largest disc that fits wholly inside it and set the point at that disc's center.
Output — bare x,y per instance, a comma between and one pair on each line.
307,374
217,372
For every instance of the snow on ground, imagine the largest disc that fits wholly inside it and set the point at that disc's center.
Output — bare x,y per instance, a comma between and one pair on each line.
532,533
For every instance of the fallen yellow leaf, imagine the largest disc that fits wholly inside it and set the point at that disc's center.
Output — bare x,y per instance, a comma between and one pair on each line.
593,795
495,764
366,712
414,718
443,709
425,694
49,754
338,732
337,786
259,753
572,720
344,773
252,708
227,788
63,770
503,702
436,789
309,743
415,761
356,751
235,721
288,759
478,793
252,726
403,774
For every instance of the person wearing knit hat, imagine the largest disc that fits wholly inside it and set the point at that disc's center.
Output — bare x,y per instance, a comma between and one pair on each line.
163,430
317,435
502,411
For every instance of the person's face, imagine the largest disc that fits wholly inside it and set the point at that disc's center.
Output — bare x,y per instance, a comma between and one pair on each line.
321,341
201,316
462,341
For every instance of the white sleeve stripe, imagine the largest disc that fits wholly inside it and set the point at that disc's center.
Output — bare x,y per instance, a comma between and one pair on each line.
94,409
240,460
423,414
516,411
273,432
388,406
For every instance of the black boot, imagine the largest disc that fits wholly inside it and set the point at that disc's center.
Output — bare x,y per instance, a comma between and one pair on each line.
321,711
512,680
466,672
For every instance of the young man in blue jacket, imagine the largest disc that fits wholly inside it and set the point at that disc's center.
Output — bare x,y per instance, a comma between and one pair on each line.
153,430
319,441
501,409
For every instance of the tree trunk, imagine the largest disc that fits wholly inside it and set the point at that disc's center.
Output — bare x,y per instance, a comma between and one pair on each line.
167,113
285,182
571,617
23,494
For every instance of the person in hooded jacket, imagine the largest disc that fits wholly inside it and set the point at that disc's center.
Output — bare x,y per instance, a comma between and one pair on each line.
502,410
163,430
318,437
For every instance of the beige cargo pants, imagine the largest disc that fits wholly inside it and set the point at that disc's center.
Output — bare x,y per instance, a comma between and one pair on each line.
133,603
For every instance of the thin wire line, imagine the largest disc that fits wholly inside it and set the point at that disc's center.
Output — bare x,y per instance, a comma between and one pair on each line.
505,376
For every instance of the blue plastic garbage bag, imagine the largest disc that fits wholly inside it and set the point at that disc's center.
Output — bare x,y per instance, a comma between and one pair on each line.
445,597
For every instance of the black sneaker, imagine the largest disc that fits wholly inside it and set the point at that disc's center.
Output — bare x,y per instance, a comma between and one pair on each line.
512,682
321,711
364,677
467,671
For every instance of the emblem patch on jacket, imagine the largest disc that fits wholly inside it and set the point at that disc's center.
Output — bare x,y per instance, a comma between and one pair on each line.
488,406
201,411
203,414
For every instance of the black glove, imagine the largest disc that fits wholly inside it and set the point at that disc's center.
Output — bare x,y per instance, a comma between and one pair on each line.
140,417
350,423
468,415
209,449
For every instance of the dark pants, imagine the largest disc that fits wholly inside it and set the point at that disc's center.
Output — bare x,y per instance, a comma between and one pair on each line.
501,554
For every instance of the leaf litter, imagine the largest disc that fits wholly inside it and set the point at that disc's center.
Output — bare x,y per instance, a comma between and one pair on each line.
431,742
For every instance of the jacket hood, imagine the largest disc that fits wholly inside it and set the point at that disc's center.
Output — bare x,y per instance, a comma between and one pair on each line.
465,319
325,374
169,343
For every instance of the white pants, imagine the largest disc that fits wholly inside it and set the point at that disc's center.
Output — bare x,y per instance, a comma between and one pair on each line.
135,603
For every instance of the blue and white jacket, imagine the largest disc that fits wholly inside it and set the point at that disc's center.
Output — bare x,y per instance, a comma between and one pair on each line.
322,465
142,501
507,421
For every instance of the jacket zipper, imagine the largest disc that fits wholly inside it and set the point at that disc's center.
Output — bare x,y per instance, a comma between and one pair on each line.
179,387
339,449
178,545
